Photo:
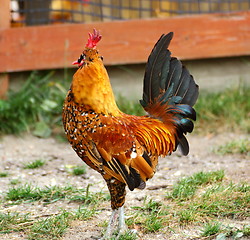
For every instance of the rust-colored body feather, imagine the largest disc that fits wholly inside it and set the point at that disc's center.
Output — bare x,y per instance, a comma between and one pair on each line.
123,148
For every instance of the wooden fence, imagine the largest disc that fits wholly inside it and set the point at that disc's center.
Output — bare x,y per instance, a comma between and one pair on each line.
124,42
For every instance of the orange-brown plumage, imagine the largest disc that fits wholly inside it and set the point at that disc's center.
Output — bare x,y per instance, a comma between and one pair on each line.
123,148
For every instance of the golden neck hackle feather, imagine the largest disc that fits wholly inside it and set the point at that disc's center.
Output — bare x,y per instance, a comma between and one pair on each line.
91,85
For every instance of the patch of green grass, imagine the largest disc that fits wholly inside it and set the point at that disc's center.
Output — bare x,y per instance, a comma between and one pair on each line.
218,201
209,200
126,236
153,223
246,230
55,226
34,164
218,231
211,228
216,111
50,194
186,216
227,201
187,187
12,221
226,110
88,197
150,216
84,212
50,228
241,146
25,192
4,174
79,170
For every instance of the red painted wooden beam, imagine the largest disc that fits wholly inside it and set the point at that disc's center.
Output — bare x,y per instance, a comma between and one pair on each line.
56,46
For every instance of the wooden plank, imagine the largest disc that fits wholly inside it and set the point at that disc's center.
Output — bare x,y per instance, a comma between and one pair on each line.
4,84
196,37
5,14
4,23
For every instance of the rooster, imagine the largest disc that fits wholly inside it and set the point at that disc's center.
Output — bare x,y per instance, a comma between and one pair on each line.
124,148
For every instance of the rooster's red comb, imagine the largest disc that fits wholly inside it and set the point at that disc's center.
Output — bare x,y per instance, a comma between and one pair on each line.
94,38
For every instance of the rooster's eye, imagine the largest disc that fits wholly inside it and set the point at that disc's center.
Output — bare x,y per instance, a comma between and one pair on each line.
82,57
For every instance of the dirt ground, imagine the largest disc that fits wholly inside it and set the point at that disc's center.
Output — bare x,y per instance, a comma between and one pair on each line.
15,151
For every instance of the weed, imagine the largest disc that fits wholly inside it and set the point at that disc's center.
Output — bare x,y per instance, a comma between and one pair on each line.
4,174
15,181
35,164
211,228
79,170
241,146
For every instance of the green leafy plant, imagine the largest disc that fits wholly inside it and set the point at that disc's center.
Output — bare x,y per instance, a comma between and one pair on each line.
36,106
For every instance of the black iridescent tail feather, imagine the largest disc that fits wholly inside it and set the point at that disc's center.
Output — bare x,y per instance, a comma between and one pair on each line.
168,82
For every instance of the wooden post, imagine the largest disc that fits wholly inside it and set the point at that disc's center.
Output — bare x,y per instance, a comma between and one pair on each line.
4,23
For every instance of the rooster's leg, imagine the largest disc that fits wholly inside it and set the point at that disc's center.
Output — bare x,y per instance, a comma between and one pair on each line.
122,227
111,225
117,220
116,223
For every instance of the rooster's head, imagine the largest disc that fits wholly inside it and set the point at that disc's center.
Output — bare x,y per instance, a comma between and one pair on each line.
90,53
